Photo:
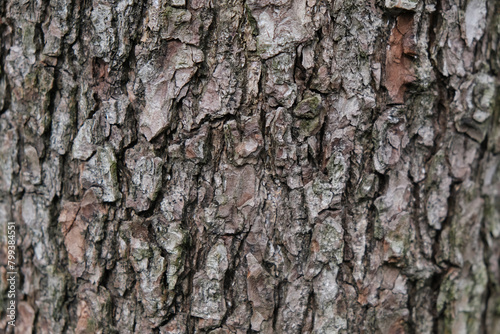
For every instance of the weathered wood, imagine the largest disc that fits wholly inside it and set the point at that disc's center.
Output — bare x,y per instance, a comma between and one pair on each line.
272,166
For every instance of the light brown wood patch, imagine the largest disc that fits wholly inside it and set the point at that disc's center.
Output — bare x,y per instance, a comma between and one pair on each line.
399,59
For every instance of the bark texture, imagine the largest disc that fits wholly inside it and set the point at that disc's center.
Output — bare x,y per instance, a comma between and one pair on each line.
258,166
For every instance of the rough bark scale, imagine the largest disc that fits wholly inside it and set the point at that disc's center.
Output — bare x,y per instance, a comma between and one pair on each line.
272,166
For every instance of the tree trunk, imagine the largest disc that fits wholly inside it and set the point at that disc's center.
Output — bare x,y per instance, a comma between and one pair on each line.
259,166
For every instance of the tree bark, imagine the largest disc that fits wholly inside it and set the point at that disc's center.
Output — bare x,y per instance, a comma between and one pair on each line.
258,166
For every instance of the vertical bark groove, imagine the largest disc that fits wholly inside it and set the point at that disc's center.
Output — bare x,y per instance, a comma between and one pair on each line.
257,166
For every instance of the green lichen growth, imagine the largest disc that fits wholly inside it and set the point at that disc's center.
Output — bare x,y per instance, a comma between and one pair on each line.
469,291
56,289
263,48
399,239
367,186
228,136
308,127
331,236
113,170
221,199
167,12
320,188
447,294
492,215
175,16
308,108
378,231
496,308
251,21
91,326
336,167
142,253
29,44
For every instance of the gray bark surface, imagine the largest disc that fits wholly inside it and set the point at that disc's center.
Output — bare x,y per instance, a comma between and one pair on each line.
258,166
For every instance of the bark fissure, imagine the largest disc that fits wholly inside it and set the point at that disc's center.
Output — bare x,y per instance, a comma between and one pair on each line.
251,166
